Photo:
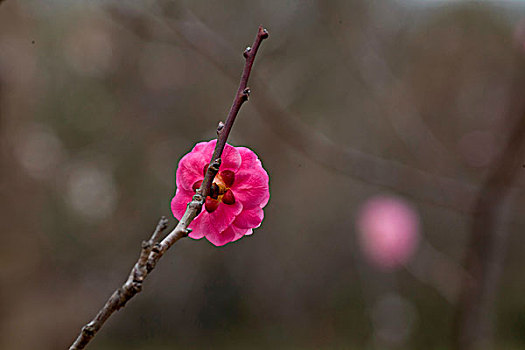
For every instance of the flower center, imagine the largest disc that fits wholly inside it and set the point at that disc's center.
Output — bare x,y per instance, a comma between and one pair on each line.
220,189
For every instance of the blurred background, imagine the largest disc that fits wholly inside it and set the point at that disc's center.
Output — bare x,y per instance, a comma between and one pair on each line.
384,126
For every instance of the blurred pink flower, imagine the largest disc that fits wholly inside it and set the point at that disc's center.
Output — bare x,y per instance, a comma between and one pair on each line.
388,231
239,192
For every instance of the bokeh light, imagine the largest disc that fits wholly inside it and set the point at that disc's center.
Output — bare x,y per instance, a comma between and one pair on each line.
393,318
388,231
88,49
91,191
38,149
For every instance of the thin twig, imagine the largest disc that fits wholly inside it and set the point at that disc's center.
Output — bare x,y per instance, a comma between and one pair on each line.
243,92
118,299
152,251
485,253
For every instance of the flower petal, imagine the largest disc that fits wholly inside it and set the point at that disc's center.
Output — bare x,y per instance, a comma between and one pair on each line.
213,223
248,157
248,219
251,187
231,234
195,235
251,180
190,167
239,233
222,238
179,202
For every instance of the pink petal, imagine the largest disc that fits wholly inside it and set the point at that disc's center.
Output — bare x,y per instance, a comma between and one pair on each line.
251,187
220,239
248,157
231,234
248,219
239,233
179,202
252,180
195,235
212,223
190,167
201,146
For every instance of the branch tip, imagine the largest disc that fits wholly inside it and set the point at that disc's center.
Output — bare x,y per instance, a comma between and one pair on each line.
263,33
161,226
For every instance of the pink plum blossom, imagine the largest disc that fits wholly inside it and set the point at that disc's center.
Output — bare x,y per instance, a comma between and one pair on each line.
239,193
388,231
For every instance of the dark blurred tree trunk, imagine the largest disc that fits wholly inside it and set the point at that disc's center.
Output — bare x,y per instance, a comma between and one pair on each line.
486,249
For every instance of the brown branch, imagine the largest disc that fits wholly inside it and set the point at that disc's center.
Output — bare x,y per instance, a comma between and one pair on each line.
152,250
485,253
243,92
